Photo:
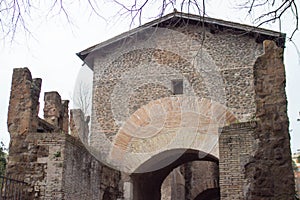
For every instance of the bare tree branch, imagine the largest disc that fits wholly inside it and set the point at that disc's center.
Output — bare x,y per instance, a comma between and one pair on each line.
276,10
15,14
273,9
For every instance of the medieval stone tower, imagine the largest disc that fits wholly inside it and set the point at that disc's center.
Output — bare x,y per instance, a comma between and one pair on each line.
184,107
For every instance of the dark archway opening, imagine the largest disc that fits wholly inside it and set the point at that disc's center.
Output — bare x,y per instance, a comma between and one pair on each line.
148,178
209,194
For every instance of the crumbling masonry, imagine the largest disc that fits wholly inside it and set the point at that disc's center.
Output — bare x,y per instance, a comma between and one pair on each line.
54,163
194,109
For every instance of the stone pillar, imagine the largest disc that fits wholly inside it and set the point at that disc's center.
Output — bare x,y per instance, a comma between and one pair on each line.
79,125
128,191
24,102
271,172
65,116
22,120
126,181
52,108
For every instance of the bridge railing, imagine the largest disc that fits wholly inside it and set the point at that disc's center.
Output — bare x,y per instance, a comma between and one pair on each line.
11,189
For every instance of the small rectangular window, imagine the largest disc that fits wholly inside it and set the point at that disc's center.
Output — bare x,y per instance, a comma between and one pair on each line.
177,86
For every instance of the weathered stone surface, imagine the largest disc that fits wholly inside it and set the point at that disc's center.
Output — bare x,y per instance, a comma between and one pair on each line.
135,109
271,171
58,166
56,111
54,165
138,75
85,177
79,125
64,123
52,107
24,102
255,160
227,72
170,123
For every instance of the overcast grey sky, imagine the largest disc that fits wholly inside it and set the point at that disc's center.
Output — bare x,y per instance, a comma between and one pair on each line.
50,53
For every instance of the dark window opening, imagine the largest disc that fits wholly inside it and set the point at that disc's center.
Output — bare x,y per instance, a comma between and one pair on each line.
177,86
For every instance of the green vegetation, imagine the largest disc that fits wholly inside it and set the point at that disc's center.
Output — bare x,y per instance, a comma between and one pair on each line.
57,154
3,161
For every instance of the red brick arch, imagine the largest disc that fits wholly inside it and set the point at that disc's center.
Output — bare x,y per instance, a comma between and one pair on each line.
170,123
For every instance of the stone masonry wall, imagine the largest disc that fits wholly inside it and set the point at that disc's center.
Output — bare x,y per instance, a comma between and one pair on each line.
23,119
225,66
24,96
54,164
85,177
223,73
57,166
255,157
271,172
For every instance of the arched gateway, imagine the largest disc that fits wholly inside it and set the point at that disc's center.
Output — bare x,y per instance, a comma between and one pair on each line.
183,107
168,133
177,122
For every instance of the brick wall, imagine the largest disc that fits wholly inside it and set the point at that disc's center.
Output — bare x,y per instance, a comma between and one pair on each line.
236,146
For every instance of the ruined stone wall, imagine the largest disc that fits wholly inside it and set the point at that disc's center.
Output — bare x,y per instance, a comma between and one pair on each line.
24,96
54,164
272,169
57,166
38,162
23,119
255,158
84,177
255,161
